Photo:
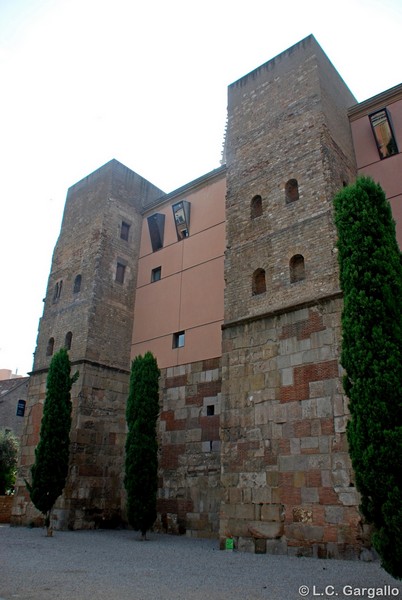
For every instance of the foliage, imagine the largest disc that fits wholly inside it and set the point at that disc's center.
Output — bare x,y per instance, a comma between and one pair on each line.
141,464
49,472
8,461
371,280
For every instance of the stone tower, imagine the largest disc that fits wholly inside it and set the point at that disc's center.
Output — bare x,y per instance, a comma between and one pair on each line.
286,476
89,308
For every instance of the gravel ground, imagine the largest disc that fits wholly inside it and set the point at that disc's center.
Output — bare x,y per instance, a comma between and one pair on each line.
105,565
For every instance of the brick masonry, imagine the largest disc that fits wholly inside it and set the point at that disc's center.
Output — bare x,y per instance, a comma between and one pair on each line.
189,491
287,483
6,503
286,473
100,318
252,444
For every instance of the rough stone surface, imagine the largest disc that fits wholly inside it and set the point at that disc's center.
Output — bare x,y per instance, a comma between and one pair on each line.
285,472
189,491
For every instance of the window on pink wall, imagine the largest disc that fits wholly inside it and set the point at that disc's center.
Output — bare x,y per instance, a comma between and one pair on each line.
383,133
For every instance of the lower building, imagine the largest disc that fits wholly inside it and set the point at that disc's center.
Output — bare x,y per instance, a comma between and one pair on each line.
232,282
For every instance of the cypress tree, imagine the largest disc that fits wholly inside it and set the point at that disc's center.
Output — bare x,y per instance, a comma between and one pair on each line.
49,472
8,461
141,463
371,281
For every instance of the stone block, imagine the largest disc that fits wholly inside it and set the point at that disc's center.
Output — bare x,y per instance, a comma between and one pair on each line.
277,546
268,530
309,495
245,544
271,512
260,546
244,511
334,514
349,497
261,495
252,480
324,407
309,442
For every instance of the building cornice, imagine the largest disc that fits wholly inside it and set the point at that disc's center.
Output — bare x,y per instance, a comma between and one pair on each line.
84,361
375,103
188,188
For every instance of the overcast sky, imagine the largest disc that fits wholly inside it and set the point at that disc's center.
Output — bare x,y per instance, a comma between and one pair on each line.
145,82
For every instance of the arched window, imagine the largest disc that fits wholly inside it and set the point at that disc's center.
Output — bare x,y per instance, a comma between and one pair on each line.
50,347
291,191
77,284
256,207
296,268
67,341
259,285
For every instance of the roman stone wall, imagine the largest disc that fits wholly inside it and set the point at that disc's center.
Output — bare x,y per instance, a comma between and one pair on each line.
279,130
287,481
286,476
24,512
189,463
6,503
99,315
93,493
92,496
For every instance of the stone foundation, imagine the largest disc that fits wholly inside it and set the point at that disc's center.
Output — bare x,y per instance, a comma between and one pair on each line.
6,503
286,475
189,490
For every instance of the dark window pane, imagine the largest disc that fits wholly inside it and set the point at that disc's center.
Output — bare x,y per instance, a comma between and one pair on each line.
124,231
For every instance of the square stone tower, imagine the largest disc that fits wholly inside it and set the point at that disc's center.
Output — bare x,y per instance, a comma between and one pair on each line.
89,309
286,475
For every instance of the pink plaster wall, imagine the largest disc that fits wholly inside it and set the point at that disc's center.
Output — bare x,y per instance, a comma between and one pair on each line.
388,171
189,296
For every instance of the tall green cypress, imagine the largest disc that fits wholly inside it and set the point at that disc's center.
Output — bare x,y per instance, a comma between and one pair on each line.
141,463
371,281
49,472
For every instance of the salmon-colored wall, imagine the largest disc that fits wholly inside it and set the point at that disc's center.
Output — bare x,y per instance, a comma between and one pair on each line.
388,171
189,295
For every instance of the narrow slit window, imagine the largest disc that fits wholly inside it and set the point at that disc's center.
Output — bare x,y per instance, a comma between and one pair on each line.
68,340
256,207
124,231
50,347
120,272
57,290
77,284
259,284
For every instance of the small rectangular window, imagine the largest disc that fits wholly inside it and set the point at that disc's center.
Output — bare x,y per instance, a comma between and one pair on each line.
120,272
383,134
178,339
156,274
21,408
210,410
124,231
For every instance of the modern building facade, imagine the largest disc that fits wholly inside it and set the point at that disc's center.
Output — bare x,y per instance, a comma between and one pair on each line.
232,282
